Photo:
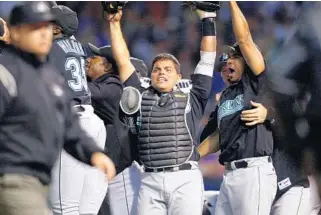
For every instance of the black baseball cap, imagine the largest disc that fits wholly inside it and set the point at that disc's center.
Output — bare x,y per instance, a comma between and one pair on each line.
222,60
105,51
233,50
30,13
66,19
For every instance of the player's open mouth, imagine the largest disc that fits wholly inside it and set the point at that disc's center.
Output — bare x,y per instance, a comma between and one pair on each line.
231,70
161,79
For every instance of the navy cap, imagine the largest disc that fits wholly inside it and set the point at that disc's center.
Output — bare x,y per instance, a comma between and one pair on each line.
30,13
105,51
222,60
66,19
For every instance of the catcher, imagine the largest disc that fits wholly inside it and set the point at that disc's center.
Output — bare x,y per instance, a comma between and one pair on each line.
167,121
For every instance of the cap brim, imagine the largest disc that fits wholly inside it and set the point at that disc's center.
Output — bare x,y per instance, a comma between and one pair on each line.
95,50
229,50
106,52
39,19
219,66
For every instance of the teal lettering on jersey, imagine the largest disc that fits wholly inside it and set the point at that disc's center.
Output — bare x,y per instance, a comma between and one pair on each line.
229,107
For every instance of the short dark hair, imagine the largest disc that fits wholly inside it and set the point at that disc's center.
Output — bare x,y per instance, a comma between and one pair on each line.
167,56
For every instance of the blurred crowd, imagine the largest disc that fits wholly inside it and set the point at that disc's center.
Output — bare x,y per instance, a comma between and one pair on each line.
154,27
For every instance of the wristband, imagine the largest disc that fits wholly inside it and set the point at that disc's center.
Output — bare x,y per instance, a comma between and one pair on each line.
208,27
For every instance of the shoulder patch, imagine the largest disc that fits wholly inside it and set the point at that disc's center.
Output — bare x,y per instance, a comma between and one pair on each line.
8,81
145,82
185,85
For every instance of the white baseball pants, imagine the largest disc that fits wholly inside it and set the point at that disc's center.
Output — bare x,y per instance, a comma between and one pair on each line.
314,197
295,202
123,191
172,193
248,191
77,188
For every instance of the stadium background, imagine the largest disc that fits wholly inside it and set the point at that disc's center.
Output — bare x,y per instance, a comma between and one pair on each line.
154,27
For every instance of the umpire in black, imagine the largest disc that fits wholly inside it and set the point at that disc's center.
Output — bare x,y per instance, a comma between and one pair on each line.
36,119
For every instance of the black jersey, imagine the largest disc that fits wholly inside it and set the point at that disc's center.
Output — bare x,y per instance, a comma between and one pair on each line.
68,56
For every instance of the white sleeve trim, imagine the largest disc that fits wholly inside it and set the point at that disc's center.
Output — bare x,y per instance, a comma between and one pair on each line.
8,81
206,65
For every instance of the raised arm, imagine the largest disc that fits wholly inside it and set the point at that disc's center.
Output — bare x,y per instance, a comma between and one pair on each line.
250,51
119,47
208,44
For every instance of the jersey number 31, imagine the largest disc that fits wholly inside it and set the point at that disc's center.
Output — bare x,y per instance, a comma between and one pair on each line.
78,73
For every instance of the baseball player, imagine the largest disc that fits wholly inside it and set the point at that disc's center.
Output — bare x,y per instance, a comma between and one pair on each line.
76,188
167,121
36,117
106,90
293,192
245,150
295,73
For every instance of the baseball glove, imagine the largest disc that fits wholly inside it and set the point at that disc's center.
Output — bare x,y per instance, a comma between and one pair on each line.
208,6
112,7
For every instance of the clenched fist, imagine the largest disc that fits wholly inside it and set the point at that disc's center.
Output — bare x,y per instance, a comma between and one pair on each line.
113,18
102,162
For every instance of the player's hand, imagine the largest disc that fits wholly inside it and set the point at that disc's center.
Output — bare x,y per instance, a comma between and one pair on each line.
6,36
104,163
113,18
254,116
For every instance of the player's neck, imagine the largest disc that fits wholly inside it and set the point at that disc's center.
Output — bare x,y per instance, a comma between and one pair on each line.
98,76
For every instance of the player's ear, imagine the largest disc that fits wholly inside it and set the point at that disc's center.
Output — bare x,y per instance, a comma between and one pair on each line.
56,29
14,34
179,76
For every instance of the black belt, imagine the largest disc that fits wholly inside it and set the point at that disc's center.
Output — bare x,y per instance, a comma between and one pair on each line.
185,166
240,164
79,109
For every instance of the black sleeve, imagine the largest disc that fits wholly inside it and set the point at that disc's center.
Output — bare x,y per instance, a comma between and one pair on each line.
133,81
4,99
108,95
211,125
256,83
110,91
200,93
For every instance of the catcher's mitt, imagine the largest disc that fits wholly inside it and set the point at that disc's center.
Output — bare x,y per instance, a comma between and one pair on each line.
112,7
208,6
